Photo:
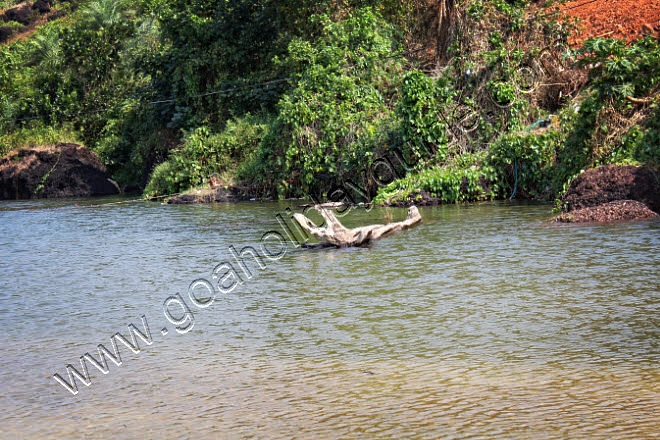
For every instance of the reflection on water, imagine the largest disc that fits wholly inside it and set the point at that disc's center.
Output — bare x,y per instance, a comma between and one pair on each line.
485,321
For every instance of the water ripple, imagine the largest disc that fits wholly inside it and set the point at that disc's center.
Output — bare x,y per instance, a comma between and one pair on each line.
485,321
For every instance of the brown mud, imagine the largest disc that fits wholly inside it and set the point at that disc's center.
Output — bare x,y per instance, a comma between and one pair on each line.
62,170
612,192
608,212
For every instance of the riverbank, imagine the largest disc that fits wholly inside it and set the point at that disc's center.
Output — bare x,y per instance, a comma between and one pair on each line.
61,170
607,193
603,194
509,109
216,194
611,193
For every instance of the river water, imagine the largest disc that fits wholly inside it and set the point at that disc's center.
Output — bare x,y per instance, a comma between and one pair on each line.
486,321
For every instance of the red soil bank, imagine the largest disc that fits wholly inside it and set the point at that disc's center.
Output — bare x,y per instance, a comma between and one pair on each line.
622,19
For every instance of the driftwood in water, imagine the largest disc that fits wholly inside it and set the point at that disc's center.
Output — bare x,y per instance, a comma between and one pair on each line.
336,234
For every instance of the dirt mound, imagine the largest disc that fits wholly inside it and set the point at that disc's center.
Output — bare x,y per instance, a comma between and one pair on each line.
5,33
611,182
612,192
42,6
30,15
20,14
608,212
62,170
622,19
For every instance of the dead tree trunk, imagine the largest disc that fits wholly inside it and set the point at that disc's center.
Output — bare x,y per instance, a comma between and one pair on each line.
444,25
336,234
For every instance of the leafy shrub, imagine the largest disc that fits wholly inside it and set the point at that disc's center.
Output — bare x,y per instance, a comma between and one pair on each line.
329,121
610,126
641,143
449,184
204,154
530,157
618,70
161,181
419,110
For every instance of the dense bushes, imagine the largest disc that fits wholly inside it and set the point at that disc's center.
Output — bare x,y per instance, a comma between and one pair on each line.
618,120
70,73
343,86
291,97
204,155
450,184
613,120
423,130
466,128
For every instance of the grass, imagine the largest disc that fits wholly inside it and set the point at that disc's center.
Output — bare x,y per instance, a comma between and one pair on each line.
7,4
34,136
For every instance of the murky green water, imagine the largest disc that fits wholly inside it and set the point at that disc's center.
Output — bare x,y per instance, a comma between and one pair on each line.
485,321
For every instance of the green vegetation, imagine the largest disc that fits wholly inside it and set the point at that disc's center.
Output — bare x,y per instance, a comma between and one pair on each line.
35,134
6,4
204,155
601,124
330,120
289,97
